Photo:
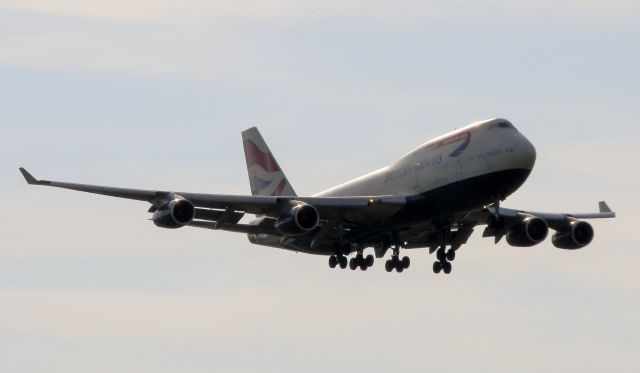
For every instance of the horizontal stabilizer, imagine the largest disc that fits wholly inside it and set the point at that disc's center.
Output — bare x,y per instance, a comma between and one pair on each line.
604,207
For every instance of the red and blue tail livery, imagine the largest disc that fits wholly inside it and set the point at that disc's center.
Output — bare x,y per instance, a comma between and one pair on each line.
265,175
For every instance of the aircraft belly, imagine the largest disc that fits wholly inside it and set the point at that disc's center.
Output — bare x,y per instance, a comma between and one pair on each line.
441,202
463,195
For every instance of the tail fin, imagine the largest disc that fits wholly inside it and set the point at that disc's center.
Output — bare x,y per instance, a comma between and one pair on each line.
265,176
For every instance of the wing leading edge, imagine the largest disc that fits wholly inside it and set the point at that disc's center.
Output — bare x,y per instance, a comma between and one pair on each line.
328,207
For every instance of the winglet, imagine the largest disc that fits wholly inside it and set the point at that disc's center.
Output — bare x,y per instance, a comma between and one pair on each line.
28,177
604,207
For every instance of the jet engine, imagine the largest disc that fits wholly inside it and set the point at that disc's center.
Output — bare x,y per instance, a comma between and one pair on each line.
300,219
175,214
578,234
528,232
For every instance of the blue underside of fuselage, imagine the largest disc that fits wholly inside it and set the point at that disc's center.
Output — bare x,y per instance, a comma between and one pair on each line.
463,195
440,203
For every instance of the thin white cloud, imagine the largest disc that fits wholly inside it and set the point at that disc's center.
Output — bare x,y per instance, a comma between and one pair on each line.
150,11
97,50
200,39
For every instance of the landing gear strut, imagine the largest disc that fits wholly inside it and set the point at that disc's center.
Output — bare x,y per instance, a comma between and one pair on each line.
444,260
396,263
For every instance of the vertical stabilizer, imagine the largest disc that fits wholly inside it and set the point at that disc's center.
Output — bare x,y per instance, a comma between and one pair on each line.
265,176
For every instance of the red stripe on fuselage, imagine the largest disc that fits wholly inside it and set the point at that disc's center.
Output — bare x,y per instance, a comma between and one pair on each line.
255,156
450,140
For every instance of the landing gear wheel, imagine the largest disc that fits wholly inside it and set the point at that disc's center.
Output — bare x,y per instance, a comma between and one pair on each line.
437,267
451,255
353,264
406,262
446,267
333,261
342,260
363,266
369,260
388,266
395,263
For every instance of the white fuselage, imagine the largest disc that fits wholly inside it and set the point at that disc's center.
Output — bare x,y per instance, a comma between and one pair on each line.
478,149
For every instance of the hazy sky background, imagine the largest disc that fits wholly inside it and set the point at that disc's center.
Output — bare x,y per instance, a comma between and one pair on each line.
154,94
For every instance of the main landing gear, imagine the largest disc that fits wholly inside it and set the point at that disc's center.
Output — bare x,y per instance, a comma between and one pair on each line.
396,263
444,260
360,261
338,259
365,262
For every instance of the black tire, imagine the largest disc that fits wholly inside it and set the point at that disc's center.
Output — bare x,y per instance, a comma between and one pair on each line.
363,266
446,267
333,261
440,254
388,266
369,260
437,267
342,260
352,264
406,262
451,255
399,269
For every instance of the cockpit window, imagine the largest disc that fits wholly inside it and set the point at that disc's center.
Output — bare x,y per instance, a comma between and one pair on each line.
501,125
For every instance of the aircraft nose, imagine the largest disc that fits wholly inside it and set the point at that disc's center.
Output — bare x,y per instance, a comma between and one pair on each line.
527,154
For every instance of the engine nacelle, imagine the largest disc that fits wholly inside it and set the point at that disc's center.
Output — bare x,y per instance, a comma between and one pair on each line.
530,231
577,235
300,219
175,214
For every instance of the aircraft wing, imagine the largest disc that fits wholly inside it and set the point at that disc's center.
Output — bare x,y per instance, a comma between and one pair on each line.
368,207
500,219
552,218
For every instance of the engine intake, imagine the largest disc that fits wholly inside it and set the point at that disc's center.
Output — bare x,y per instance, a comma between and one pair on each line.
577,235
530,231
300,219
175,214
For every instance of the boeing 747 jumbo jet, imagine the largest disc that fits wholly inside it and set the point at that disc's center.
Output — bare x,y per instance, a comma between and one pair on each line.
432,197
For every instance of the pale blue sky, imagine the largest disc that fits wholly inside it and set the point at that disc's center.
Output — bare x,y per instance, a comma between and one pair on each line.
154,94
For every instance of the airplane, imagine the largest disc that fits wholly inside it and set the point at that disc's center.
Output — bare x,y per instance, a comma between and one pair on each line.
432,197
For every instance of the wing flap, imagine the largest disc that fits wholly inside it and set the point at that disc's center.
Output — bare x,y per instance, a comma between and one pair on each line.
239,228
